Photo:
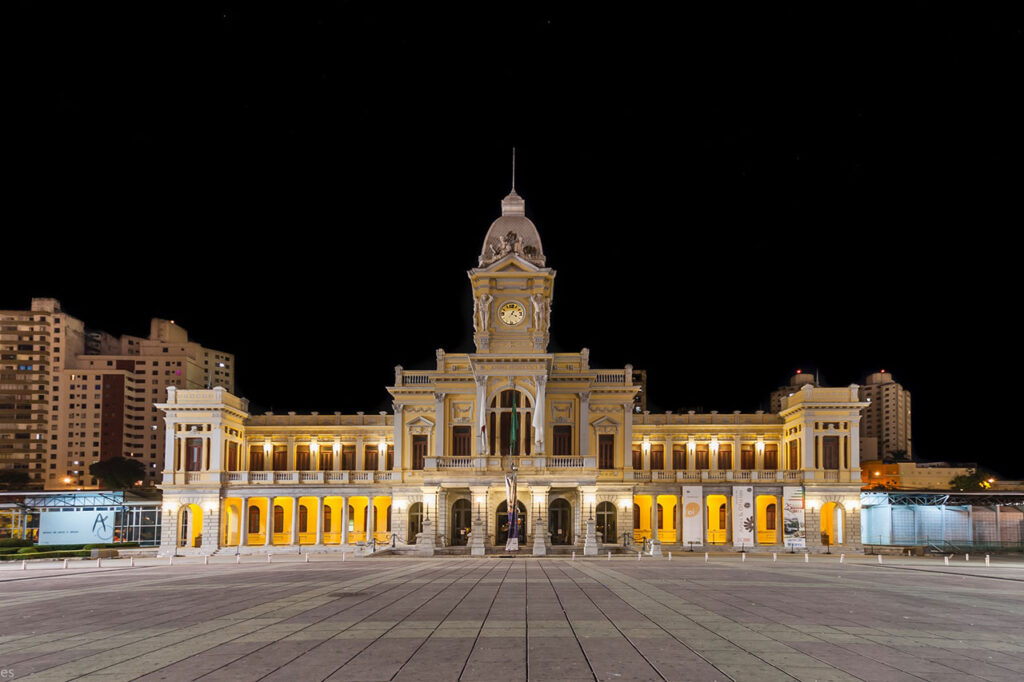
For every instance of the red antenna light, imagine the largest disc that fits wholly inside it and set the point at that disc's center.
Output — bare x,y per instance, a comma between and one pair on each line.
800,370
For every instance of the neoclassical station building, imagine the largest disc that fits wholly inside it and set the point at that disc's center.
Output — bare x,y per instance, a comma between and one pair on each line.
593,472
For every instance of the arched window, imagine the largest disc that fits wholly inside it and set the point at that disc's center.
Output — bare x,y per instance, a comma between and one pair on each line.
278,518
184,527
388,519
461,521
605,526
254,519
500,423
303,518
560,522
415,521
769,517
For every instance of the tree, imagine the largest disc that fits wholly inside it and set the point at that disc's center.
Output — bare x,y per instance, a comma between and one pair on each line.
118,472
972,480
12,479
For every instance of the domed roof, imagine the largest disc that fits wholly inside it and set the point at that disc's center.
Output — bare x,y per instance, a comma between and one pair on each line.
513,232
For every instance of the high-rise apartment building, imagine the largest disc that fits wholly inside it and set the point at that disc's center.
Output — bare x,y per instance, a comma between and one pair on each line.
796,382
70,397
886,421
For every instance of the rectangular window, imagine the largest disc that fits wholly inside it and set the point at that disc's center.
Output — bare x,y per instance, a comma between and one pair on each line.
724,457
193,454
280,458
606,451
461,440
702,458
302,457
679,457
747,459
638,458
348,457
771,457
232,456
389,458
419,451
657,457
562,440
830,452
370,458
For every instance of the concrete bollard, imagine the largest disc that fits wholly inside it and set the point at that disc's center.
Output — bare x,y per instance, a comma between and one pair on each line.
967,557
268,557
170,560
609,556
638,555
24,565
842,558
705,557
574,556
775,557
670,556
206,560
807,558
238,558
65,563
743,557
99,562
131,562
307,557
879,558
986,560
946,559
343,555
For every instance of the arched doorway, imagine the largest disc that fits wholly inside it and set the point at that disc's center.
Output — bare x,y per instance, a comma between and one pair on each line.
831,524
190,526
605,522
501,525
560,522
767,520
462,512
415,521
718,519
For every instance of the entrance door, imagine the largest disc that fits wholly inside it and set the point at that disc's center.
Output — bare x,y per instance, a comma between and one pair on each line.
461,520
560,522
605,528
501,534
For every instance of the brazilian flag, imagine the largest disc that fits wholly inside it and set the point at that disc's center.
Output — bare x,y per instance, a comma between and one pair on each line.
514,438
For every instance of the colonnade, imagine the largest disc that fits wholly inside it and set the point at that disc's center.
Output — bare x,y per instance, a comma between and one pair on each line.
304,520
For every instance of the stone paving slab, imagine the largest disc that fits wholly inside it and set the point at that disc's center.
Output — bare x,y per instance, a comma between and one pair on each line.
494,619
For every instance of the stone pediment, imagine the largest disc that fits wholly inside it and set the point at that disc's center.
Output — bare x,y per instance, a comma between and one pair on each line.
605,425
420,426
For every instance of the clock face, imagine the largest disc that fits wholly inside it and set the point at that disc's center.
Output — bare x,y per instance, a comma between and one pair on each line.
511,313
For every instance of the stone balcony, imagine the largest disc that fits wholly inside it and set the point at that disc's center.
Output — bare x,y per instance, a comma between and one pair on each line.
280,477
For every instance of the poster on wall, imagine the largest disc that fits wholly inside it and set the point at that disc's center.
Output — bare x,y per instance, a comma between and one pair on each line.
70,527
693,516
743,516
793,517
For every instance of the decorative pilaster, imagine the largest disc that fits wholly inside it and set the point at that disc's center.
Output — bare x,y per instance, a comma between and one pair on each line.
269,540
295,521
319,520
439,424
585,423
655,541
243,523
397,436
481,416
539,413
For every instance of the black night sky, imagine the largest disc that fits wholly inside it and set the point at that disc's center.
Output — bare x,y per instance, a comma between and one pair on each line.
726,194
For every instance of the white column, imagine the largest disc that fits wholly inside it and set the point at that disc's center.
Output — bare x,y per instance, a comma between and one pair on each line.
370,511
270,522
396,437
807,445
439,425
539,413
585,423
627,436
655,540
360,455
344,521
737,453
292,465
319,520
295,521
243,523
669,461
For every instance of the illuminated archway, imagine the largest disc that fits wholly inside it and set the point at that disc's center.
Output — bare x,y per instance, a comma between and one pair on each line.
831,524
718,519
767,520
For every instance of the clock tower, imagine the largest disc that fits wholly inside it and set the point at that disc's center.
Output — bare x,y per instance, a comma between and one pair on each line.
511,287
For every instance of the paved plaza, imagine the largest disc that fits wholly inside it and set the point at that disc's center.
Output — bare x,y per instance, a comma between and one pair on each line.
514,619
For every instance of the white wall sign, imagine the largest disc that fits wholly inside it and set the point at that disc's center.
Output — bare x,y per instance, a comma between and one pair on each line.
693,515
58,527
743,516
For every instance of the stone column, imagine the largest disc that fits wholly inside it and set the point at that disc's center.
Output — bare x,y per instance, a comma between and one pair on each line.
397,433
269,540
243,523
295,520
292,465
370,513
344,521
442,513
669,461
655,541
807,445
627,437
737,452
439,424
360,455
319,520
585,423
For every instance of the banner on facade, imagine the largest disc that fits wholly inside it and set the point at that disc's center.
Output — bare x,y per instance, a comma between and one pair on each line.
72,527
743,516
693,515
793,517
